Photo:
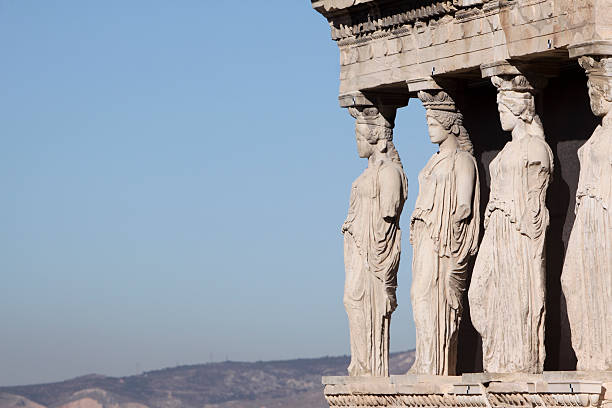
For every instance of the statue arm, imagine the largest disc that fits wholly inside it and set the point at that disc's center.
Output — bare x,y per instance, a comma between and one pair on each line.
390,196
465,179
538,155
462,238
538,175
390,190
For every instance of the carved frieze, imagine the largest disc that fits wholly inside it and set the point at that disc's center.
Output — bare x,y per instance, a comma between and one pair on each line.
364,22
386,41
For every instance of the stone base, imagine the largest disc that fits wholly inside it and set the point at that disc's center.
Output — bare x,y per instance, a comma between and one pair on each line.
551,389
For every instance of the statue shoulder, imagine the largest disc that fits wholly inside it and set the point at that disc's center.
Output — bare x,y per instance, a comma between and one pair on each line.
538,151
464,158
391,170
465,163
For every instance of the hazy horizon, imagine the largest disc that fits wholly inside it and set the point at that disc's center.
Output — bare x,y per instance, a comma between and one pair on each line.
175,178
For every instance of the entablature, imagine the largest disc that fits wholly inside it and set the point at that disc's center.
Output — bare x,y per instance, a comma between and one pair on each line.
383,42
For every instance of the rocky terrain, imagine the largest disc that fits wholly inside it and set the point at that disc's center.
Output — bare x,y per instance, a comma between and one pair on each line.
270,384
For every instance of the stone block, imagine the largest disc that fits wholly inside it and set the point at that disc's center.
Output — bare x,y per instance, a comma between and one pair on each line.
471,390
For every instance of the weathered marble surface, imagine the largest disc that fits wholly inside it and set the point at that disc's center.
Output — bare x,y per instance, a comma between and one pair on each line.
576,389
391,50
384,42
507,292
587,272
444,234
372,241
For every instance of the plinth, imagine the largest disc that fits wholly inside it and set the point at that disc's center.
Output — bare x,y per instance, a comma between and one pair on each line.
550,389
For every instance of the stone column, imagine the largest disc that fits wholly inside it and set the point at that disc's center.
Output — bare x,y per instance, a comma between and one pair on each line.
587,271
372,236
507,293
444,234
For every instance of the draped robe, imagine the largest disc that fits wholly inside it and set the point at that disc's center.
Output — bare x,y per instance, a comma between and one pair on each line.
442,249
507,291
372,246
587,272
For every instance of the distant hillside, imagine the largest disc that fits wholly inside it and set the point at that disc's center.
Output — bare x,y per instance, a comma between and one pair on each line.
269,384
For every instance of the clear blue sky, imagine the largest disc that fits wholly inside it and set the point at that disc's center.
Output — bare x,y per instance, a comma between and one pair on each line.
174,177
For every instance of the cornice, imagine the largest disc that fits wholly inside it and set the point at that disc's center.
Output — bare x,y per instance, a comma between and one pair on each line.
355,21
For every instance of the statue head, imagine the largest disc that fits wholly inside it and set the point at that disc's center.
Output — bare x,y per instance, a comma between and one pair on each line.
515,101
374,131
371,138
599,84
444,121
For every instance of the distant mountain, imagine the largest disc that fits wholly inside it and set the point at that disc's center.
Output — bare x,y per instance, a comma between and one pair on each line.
267,384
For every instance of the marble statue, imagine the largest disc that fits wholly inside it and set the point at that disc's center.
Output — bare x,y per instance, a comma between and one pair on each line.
507,291
444,233
372,242
587,272
389,52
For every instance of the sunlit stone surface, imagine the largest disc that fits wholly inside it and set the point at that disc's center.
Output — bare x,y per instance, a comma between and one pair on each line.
372,241
587,273
539,301
509,276
444,234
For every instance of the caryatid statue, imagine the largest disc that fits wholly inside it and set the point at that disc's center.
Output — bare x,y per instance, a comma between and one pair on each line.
507,291
444,231
587,272
372,241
